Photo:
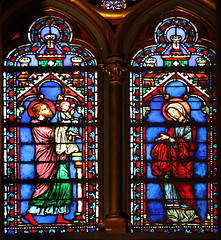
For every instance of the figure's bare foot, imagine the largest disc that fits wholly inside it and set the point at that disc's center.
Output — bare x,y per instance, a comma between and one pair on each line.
30,218
60,219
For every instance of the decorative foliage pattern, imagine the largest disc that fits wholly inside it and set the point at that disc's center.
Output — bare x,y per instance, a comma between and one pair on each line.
50,134
172,134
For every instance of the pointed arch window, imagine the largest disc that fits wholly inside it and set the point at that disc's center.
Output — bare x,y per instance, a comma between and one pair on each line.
172,132
50,124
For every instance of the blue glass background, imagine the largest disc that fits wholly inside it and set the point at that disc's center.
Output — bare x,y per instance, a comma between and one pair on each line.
176,89
155,114
196,112
156,212
50,90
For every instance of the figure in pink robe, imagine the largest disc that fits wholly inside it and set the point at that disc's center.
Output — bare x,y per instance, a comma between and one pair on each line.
49,197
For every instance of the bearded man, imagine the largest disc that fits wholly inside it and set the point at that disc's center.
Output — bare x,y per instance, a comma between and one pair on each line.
50,197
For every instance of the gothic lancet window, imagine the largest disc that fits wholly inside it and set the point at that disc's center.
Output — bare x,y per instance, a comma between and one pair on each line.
172,132
50,125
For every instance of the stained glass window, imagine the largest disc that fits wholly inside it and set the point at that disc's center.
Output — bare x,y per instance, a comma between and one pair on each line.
172,133
113,5
50,123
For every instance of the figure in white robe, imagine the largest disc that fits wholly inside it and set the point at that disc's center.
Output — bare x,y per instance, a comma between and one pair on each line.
65,136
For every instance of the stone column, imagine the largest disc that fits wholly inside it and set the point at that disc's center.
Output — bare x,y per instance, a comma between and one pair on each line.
114,222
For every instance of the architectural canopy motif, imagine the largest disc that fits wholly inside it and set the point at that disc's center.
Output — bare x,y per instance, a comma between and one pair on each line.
176,45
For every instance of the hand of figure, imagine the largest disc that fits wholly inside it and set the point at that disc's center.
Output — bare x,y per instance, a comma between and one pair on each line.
162,137
70,137
72,111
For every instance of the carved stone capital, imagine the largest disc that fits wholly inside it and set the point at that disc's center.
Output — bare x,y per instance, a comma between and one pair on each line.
114,71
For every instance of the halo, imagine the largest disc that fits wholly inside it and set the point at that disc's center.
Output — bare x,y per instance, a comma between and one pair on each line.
62,98
36,101
173,100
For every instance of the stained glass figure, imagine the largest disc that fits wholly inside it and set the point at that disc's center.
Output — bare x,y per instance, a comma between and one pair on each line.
50,133
172,133
113,5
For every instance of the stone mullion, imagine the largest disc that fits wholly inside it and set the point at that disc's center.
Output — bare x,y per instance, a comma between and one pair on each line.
114,222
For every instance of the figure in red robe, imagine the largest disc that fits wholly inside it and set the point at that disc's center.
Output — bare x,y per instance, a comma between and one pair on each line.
172,159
